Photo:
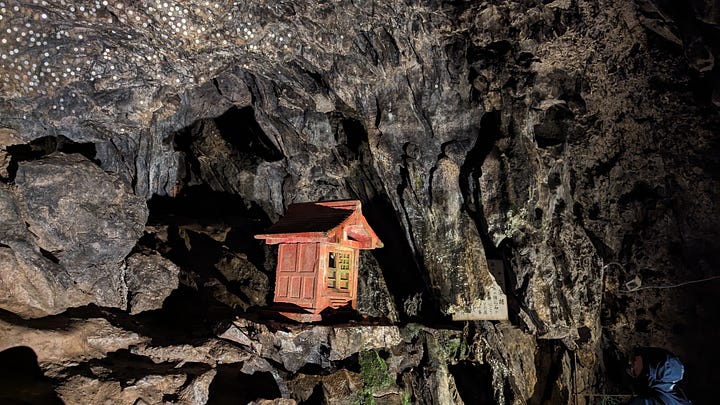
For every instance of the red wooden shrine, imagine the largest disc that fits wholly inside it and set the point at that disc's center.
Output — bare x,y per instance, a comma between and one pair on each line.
318,255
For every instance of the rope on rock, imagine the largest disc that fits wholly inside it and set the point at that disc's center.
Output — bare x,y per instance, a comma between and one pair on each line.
652,287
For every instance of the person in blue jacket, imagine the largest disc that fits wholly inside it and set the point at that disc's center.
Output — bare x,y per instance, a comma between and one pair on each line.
656,372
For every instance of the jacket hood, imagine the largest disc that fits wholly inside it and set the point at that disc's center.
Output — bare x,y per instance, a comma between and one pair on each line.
664,374
663,370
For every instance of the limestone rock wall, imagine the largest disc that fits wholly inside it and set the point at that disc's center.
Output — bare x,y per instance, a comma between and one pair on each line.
575,140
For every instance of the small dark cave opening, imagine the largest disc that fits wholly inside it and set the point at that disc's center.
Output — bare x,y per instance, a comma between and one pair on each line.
239,127
316,398
213,150
552,131
350,135
473,382
232,386
46,145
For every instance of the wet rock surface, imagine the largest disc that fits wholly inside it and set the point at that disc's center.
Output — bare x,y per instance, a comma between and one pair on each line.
143,144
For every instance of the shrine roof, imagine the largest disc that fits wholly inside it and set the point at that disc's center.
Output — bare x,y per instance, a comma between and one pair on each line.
309,217
323,221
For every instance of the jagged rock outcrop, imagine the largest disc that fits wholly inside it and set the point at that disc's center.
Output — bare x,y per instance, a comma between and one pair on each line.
150,278
92,360
78,340
67,228
295,347
85,219
575,140
148,390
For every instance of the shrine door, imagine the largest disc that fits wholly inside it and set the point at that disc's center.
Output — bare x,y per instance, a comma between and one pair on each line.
297,273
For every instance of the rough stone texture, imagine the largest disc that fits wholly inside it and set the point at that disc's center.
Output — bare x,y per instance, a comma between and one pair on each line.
577,140
344,341
92,361
513,355
149,279
277,401
209,352
197,392
374,298
147,390
213,262
316,170
31,285
8,138
440,388
66,228
340,387
87,361
86,219
81,340
252,283
417,360
297,345
32,289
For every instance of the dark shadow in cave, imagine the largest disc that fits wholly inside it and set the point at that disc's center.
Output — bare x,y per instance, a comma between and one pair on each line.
51,322
403,273
479,58
204,229
549,369
197,202
231,386
21,379
239,127
401,269
248,144
615,364
207,228
473,382
470,173
123,365
699,39
213,210
316,398
187,315
46,145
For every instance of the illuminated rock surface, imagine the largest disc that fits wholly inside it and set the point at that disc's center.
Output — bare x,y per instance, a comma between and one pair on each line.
144,143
